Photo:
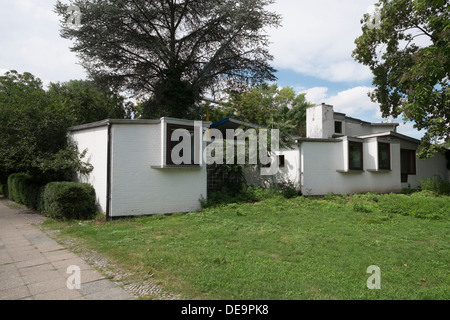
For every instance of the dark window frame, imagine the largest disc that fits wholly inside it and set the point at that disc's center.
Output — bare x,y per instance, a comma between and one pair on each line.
169,128
388,145
361,164
281,162
411,164
341,131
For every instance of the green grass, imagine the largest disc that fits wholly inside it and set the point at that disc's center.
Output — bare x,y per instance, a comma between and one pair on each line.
300,248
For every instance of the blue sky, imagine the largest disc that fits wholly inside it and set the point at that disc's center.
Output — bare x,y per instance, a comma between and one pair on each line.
312,50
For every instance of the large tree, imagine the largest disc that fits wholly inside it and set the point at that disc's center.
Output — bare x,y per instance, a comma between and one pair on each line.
406,44
86,102
34,122
172,52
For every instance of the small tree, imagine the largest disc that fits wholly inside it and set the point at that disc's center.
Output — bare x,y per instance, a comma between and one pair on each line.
270,106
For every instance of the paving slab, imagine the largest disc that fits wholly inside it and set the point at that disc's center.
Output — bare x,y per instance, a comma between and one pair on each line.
33,266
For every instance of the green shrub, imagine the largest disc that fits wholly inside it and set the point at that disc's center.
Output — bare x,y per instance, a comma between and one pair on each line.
437,185
362,206
69,200
1,189
419,204
24,189
228,195
287,189
14,186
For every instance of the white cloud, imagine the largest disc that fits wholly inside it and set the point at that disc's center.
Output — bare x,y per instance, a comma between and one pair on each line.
36,54
315,95
29,33
40,11
317,38
409,130
354,101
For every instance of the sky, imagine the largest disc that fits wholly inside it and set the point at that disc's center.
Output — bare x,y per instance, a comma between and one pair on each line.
312,51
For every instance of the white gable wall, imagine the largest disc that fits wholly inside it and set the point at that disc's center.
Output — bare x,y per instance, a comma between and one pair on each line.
140,182
95,141
139,189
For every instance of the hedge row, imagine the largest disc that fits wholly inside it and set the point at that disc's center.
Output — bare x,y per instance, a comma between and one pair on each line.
58,200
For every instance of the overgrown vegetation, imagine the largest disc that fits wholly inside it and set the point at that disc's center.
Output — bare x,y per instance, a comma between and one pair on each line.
436,185
261,245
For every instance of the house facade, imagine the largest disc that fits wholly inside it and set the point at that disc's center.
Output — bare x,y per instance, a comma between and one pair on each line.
344,155
134,173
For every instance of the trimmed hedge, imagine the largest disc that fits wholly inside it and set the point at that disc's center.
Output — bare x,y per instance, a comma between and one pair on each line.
58,200
69,200
24,189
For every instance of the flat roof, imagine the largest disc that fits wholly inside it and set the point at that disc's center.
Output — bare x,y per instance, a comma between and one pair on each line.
232,123
105,122
392,134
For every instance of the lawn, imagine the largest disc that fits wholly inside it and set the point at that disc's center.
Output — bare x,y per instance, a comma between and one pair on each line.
299,248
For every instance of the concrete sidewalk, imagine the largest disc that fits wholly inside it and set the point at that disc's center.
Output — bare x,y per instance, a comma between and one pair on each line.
34,267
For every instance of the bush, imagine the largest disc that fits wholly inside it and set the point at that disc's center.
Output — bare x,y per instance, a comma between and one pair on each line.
1,189
436,185
69,200
419,204
24,189
287,189
226,196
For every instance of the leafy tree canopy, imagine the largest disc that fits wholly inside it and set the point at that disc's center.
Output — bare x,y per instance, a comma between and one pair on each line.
409,55
34,122
171,53
86,102
270,106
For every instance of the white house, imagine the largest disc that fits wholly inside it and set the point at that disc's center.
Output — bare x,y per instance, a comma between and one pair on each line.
133,171
136,170
344,155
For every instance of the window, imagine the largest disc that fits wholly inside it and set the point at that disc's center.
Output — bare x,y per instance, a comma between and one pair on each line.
338,127
179,145
355,155
408,163
281,162
384,156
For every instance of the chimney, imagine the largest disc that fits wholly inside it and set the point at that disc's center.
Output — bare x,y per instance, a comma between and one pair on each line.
320,121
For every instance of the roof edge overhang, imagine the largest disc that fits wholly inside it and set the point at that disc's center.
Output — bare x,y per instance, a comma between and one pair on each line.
391,134
107,122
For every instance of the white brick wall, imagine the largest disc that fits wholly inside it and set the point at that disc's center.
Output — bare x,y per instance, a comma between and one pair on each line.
321,160
95,141
139,189
136,187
